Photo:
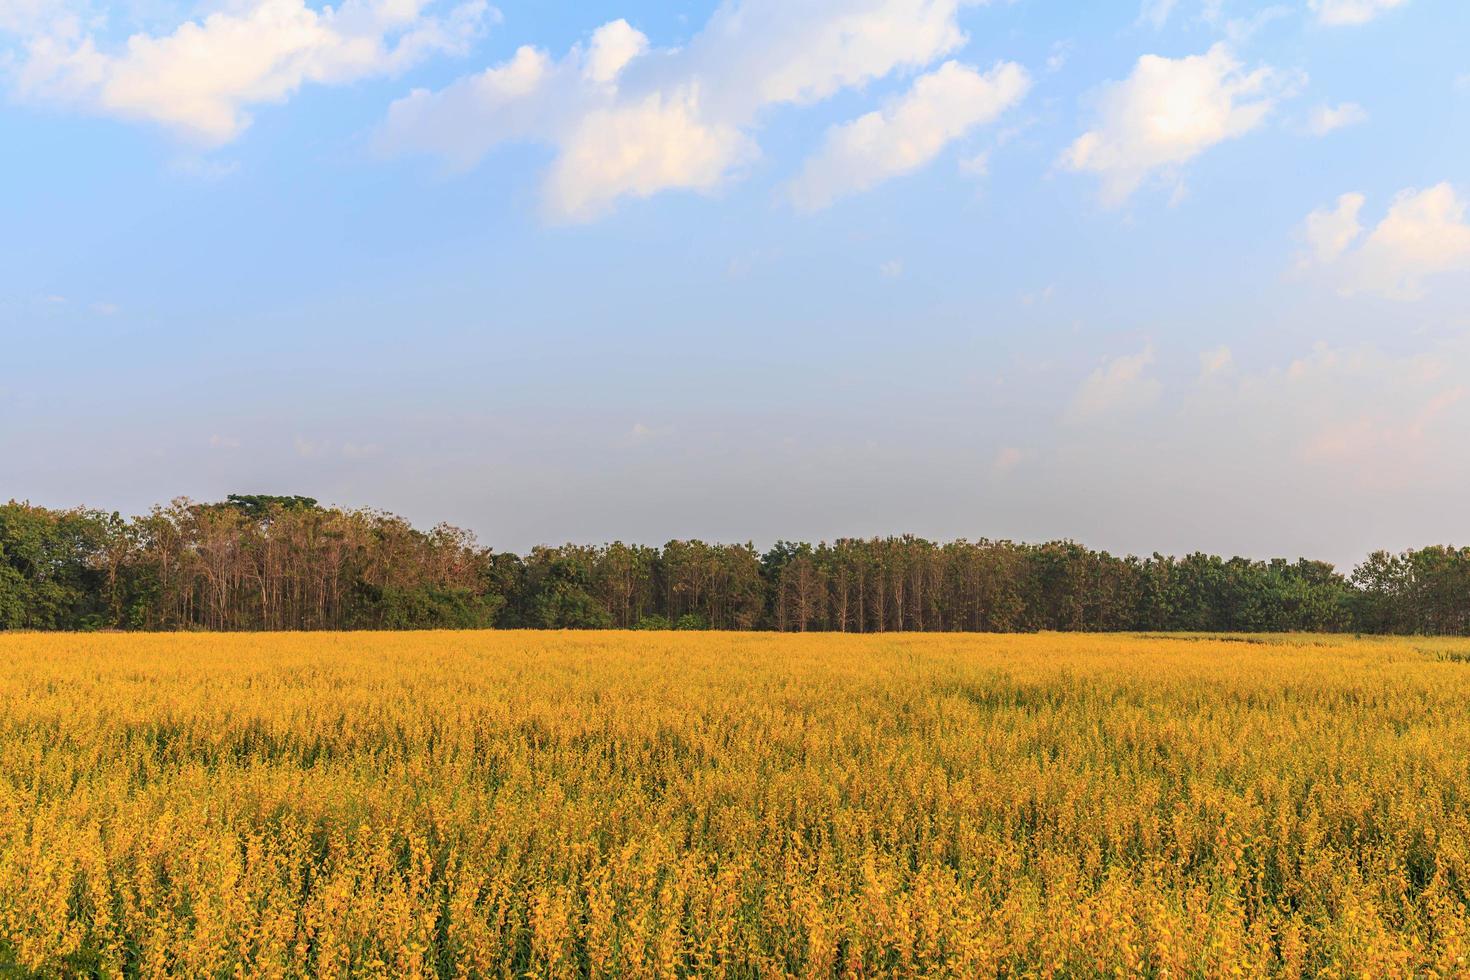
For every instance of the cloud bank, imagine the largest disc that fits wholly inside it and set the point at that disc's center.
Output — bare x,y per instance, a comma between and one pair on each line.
1423,236
202,79
629,121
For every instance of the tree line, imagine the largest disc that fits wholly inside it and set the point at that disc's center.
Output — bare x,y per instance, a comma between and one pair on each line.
256,562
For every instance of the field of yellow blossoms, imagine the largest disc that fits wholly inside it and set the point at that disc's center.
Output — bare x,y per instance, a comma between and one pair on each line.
720,804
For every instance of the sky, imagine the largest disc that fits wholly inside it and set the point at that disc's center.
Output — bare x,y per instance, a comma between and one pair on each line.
1191,275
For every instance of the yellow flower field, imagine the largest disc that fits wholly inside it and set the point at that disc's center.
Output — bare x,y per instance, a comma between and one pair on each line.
723,804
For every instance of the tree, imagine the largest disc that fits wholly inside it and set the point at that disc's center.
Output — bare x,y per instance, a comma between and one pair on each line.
259,561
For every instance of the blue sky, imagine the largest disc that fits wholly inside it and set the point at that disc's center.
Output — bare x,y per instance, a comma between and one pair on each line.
1186,275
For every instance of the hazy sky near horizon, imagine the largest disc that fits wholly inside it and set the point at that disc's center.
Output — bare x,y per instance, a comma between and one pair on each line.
1191,275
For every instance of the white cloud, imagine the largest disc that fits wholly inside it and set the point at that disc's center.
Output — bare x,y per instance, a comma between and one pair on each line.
1120,385
1326,118
909,132
1329,232
976,165
1351,12
469,118
1368,437
629,121
756,53
218,441
612,47
1168,112
18,15
25,18
1212,14
639,149
892,269
1364,408
1241,29
1156,12
1215,361
1338,418
1057,59
1424,235
202,79
1364,445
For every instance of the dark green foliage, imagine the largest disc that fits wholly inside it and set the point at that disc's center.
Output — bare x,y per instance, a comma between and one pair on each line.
559,583
49,578
431,607
1425,591
284,562
260,506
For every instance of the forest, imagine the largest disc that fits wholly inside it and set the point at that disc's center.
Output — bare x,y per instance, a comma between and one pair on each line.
256,562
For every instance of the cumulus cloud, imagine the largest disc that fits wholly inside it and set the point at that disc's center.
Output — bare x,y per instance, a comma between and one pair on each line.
1118,386
1327,118
1169,111
613,45
909,132
628,120
612,144
1329,231
638,149
202,79
1339,13
1424,235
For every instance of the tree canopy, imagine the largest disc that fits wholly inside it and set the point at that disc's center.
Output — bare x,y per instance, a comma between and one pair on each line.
267,562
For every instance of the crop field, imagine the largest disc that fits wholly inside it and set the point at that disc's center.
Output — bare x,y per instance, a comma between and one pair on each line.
719,804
